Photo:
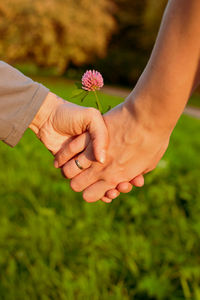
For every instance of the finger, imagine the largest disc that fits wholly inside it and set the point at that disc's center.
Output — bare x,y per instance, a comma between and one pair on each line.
96,191
99,135
124,187
70,149
106,200
86,178
85,160
112,194
71,169
138,181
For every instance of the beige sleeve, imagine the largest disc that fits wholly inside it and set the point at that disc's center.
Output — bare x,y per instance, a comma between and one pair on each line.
20,100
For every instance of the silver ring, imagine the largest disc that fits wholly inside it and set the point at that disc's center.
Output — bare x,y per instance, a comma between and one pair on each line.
78,164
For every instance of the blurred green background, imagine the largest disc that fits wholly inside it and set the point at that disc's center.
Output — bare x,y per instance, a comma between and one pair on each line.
53,245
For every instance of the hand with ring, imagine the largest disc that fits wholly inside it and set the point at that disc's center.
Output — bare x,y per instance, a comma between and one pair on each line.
67,129
78,164
73,165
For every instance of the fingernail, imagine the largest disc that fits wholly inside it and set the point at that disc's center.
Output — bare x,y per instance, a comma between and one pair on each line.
56,164
102,157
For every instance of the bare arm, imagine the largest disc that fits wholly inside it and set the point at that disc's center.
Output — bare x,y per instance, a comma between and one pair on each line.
173,68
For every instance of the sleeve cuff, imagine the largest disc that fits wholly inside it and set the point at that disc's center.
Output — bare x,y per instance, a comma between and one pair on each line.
28,115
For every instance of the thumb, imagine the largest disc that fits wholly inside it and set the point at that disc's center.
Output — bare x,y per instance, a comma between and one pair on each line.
98,134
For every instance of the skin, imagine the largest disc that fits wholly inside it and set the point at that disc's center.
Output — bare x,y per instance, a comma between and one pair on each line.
123,146
58,123
140,128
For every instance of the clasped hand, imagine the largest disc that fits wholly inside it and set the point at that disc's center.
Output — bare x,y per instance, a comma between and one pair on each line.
67,129
132,151
114,151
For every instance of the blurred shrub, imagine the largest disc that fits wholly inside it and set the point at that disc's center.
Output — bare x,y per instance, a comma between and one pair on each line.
54,32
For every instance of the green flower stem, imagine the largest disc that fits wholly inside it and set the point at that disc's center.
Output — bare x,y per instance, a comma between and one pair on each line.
98,103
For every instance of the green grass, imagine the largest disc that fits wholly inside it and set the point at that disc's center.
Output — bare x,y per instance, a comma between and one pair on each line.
144,245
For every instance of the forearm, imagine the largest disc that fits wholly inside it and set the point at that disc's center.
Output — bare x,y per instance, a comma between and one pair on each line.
172,71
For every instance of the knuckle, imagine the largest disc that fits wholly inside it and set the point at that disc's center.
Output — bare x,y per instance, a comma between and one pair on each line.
94,112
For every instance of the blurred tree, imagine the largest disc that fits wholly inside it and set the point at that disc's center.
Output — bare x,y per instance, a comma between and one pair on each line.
54,32
151,20
137,25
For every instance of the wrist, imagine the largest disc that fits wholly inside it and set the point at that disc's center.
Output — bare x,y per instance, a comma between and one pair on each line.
48,106
150,113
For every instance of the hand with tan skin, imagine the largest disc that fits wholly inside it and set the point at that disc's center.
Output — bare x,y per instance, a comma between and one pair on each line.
140,128
86,159
101,178
58,123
